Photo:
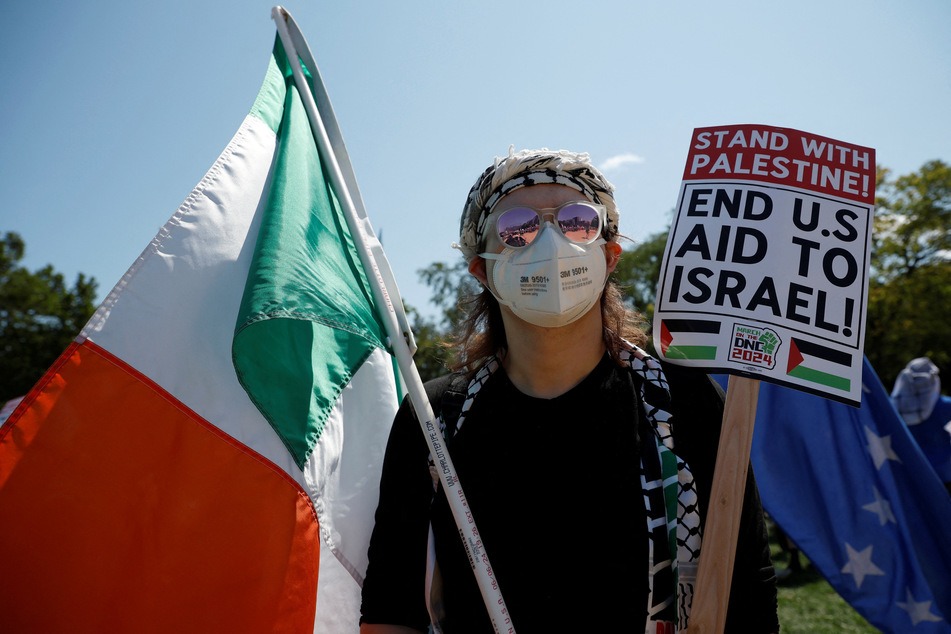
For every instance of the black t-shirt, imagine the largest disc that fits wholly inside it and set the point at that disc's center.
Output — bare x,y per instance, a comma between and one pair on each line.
554,487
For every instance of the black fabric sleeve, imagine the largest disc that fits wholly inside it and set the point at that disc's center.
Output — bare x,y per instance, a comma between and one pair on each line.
697,407
394,587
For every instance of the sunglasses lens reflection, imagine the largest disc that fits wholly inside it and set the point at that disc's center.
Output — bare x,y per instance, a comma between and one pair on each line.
518,226
579,223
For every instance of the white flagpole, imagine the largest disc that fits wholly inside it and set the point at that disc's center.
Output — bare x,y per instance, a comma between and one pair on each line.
488,585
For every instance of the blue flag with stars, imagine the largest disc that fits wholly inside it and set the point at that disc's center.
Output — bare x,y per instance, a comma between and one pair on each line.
855,493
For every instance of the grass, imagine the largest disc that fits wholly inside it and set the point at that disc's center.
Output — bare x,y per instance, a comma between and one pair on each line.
809,605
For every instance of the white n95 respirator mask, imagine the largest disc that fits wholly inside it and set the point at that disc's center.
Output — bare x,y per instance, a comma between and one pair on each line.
552,281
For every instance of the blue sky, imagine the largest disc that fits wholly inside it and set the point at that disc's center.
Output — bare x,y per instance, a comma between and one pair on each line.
113,111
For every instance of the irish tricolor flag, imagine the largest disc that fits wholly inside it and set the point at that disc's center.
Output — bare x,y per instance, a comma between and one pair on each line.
205,457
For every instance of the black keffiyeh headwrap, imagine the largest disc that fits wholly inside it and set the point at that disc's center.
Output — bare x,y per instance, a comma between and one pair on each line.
526,168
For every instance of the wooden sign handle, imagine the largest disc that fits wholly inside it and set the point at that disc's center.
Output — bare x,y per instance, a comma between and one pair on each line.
722,525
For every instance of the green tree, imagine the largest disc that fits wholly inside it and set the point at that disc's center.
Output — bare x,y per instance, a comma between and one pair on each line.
910,286
39,317
912,216
432,356
638,270
450,284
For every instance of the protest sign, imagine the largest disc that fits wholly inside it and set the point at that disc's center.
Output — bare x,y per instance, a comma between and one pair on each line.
765,274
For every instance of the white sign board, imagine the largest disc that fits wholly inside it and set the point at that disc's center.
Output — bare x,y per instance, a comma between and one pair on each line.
765,274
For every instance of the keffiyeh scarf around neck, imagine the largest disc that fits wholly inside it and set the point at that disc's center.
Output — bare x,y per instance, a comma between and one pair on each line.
669,492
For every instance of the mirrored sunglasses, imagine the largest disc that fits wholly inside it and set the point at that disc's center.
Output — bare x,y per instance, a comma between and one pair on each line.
579,221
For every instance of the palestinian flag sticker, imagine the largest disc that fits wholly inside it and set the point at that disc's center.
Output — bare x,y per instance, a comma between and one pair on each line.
689,338
815,363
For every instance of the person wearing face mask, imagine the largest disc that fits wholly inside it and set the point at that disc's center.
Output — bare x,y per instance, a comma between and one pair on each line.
587,464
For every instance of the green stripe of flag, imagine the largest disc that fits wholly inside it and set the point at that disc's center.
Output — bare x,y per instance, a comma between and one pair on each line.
692,352
306,321
822,378
668,469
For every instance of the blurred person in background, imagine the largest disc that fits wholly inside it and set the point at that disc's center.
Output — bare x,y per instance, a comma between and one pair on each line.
917,397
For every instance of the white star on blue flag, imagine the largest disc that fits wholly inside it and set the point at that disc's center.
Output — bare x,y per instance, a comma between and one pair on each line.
854,491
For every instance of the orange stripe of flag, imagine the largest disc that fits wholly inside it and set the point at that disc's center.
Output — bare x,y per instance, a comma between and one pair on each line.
132,513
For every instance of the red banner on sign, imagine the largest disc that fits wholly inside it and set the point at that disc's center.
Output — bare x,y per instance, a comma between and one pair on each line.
782,155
